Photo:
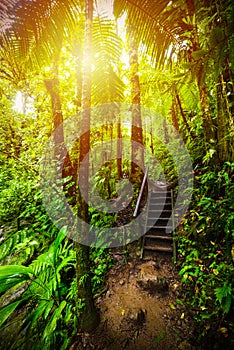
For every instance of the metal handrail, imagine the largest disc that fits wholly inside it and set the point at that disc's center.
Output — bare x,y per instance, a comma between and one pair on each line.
173,227
141,192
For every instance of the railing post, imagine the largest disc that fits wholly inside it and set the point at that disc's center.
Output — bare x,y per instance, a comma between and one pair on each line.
141,192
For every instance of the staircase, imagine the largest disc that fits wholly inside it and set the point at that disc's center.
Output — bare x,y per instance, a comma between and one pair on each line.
159,236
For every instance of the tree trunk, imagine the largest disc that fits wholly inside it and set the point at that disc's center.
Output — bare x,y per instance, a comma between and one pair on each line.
208,125
61,153
151,136
119,149
89,318
183,116
137,135
224,96
174,119
165,129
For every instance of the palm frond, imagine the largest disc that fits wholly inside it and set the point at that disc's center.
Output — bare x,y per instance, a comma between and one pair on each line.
7,8
106,42
107,47
9,245
37,28
107,86
154,23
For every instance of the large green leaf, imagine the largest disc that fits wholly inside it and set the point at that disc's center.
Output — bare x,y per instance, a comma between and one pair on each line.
51,325
13,274
10,270
59,239
7,311
44,307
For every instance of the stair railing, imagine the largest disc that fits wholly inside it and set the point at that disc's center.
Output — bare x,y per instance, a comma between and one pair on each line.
141,192
173,228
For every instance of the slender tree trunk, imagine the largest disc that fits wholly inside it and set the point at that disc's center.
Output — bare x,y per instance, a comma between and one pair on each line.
151,136
137,134
52,86
89,318
225,93
119,149
79,80
61,153
165,129
184,116
174,118
225,118
76,147
208,125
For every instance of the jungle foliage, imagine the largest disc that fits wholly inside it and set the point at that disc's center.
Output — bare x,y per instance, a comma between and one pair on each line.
59,59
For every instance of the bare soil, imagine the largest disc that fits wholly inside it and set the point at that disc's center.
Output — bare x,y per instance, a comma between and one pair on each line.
139,312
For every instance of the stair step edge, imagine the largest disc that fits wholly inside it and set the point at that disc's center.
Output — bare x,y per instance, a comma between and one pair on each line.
169,238
152,218
159,248
159,211
161,204
159,227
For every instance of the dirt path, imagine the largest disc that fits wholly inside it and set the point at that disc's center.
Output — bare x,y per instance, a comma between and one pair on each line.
141,310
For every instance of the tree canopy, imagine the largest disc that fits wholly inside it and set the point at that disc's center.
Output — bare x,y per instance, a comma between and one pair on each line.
93,93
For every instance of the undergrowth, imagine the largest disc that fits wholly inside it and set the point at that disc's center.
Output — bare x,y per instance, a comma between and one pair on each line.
205,246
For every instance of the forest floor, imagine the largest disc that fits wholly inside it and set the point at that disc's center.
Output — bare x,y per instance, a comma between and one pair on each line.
142,309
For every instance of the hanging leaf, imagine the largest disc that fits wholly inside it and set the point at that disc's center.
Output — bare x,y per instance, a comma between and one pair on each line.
12,275
227,304
7,311
216,36
51,325
197,55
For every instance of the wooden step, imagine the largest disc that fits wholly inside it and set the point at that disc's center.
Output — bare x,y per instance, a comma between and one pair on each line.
160,200
157,211
162,241
159,248
158,227
159,220
160,209
160,194
158,216
163,237
157,239
158,206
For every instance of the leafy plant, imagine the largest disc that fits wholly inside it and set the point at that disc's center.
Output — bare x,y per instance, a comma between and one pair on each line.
48,322
205,248
102,262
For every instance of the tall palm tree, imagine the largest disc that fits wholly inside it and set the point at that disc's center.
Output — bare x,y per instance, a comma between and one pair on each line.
35,35
167,27
137,134
90,318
